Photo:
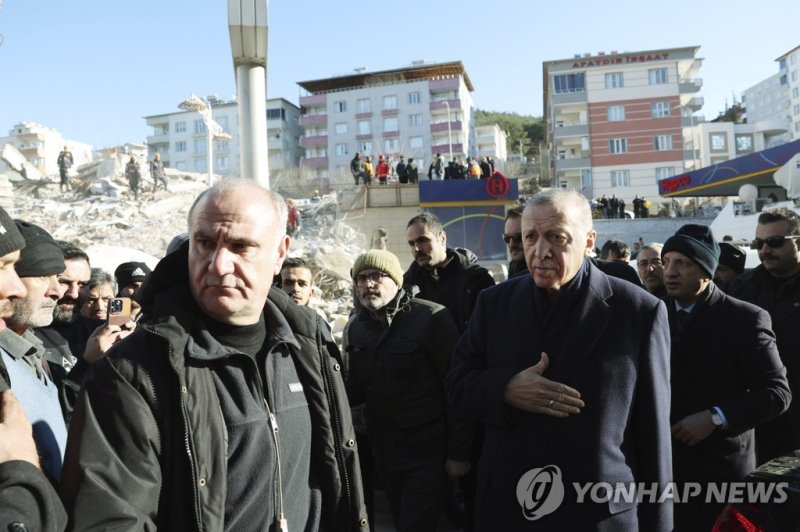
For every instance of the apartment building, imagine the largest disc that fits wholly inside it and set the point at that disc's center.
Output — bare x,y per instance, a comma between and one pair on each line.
417,112
619,122
40,145
492,141
774,103
181,138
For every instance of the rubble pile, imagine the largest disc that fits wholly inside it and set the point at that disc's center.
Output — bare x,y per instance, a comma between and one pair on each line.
100,214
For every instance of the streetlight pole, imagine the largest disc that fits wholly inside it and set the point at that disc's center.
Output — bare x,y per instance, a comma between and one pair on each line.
449,133
213,130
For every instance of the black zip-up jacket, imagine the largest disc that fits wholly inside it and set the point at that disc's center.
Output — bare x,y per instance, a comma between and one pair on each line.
455,285
148,443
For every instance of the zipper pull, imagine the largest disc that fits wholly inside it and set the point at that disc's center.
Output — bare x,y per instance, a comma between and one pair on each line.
273,423
283,524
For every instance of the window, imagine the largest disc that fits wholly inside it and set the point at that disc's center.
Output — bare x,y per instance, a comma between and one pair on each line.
719,142
744,143
620,178
223,122
221,146
659,109
415,120
180,165
413,97
662,142
341,149
795,92
363,105
199,126
618,146
221,162
364,127
341,128
658,76
200,165
569,83
276,114
794,75
614,80
415,142
200,145
390,124
664,172
796,109
616,113
365,147
389,102
180,146
340,107
180,127
391,145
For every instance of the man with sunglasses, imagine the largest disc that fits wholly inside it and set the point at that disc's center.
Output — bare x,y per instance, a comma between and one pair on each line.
512,236
775,286
399,351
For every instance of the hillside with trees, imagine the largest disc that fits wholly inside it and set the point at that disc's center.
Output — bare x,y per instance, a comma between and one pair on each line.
528,129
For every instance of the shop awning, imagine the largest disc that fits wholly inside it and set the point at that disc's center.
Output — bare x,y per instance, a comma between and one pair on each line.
725,178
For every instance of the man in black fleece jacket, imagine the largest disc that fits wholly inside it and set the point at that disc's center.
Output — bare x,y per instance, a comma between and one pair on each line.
225,409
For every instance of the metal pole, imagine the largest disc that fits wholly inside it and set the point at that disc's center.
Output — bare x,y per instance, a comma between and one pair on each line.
449,133
253,150
209,147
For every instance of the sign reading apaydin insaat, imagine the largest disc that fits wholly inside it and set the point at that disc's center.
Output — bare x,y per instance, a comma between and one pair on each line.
620,59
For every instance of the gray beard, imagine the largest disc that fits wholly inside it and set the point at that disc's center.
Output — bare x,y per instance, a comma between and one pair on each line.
62,315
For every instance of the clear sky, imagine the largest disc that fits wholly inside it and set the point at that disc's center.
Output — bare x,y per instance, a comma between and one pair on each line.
92,69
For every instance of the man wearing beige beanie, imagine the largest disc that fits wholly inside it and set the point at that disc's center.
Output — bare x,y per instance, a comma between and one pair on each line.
399,352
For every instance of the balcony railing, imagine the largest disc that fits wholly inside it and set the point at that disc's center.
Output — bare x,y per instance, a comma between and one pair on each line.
314,140
690,85
311,120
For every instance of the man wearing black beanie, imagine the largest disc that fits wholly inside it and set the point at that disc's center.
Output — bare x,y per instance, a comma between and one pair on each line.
28,501
726,374
731,263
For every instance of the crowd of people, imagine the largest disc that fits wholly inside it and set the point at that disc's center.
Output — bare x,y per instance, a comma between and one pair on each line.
407,171
224,402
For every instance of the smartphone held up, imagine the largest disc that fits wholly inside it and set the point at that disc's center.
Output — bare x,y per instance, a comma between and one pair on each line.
119,311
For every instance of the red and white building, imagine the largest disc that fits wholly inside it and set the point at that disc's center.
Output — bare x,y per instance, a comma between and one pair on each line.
617,123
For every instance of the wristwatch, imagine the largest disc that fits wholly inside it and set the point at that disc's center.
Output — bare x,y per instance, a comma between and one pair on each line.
716,418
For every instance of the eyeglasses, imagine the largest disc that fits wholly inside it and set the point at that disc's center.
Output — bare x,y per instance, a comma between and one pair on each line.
374,277
516,237
774,242
655,263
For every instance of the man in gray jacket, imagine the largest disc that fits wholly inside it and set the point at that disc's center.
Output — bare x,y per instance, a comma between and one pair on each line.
225,409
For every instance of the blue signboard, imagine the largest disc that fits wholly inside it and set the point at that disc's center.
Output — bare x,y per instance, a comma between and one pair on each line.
472,211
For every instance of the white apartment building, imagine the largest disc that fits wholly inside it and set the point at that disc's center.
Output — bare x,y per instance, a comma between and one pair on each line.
492,142
417,112
775,101
40,145
722,141
181,139
619,122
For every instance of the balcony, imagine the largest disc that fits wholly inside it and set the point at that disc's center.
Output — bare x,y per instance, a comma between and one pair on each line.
689,86
445,148
569,162
365,136
390,112
314,99
568,97
315,162
696,103
571,130
771,127
313,120
366,114
440,127
691,121
440,85
315,140
439,105
162,138
391,134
